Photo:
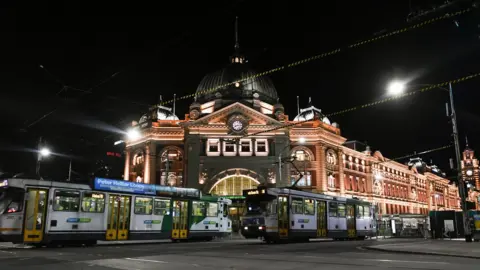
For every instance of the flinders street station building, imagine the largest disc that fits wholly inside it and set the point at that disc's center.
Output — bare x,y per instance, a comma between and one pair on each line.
239,136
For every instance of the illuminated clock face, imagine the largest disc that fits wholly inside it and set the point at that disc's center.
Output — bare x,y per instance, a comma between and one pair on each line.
237,125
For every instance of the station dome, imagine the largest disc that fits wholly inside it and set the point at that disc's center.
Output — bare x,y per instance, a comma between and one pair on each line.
237,81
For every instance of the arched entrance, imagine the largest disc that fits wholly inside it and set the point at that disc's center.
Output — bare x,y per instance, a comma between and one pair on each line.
231,183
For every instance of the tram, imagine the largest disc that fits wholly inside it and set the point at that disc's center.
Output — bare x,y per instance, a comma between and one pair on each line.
284,214
39,212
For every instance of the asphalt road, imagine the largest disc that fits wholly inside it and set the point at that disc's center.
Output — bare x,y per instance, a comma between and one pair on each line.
232,255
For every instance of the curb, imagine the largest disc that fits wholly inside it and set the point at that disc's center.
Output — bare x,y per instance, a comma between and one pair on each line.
420,253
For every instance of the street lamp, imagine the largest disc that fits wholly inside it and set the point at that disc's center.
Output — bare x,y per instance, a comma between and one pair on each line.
45,152
133,134
396,88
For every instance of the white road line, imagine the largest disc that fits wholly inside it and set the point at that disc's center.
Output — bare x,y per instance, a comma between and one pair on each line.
7,252
144,260
400,261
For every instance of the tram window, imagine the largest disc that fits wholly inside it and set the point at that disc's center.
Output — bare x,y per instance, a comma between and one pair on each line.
341,210
212,210
366,211
272,207
359,211
309,207
143,206
67,201
93,202
198,209
13,199
162,207
225,210
332,209
297,205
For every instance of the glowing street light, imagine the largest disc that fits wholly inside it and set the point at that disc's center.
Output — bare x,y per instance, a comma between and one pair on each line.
396,88
45,152
133,134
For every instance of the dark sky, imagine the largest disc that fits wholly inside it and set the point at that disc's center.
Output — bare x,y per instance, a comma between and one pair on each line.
161,49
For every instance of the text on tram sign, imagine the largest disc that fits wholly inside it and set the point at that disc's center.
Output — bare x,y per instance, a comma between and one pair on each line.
256,192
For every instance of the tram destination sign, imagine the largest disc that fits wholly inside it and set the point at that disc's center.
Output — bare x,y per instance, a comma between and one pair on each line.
253,192
143,189
123,186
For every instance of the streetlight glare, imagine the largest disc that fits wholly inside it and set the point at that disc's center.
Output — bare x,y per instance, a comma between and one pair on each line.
45,152
133,134
396,88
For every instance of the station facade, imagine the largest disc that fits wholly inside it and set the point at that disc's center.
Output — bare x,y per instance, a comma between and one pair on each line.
237,136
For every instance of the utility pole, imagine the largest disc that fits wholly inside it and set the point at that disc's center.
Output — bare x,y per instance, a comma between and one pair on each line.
461,186
70,172
39,157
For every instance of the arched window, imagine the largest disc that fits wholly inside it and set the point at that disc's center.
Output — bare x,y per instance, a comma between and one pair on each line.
171,166
302,153
138,162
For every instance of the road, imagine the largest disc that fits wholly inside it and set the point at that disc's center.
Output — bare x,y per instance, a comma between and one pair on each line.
232,255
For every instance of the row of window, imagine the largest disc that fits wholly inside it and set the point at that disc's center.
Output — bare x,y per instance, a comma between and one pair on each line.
94,202
246,147
307,207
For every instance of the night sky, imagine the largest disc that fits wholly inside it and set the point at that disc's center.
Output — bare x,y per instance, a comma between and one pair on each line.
104,65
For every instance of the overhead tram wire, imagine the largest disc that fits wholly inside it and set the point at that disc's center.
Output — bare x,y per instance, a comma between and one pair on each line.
368,105
326,54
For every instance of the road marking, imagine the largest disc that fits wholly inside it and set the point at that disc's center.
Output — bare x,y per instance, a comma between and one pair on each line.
400,261
7,252
144,260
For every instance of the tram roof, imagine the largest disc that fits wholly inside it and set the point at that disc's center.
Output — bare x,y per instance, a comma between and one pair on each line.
107,185
22,183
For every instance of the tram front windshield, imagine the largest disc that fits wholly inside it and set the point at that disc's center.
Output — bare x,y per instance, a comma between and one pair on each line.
11,200
256,207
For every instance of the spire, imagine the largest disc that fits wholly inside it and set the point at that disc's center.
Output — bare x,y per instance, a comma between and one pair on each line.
310,101
237,45
237,56
466,142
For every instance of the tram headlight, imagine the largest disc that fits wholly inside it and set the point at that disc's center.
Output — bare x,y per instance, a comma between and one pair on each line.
245,228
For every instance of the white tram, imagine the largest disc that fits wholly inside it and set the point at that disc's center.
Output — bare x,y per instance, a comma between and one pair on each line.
41,212
275,214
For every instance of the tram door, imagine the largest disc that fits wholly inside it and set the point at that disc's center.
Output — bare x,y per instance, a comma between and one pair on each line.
351,221
35,214
283,222
118,217
321,219
180,220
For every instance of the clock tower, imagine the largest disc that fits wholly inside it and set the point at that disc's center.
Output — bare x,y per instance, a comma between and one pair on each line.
471,173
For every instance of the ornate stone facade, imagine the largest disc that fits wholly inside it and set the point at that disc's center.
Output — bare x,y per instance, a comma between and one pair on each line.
237,137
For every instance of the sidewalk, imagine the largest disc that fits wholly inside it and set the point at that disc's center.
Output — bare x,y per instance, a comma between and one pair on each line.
433,247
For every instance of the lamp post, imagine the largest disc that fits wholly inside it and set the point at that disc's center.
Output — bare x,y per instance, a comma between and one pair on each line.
41,153
398,87
301,140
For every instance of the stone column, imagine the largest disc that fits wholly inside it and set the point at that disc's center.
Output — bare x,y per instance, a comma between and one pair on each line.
153,162
321,168
341,177
126,172
429,195
146,169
